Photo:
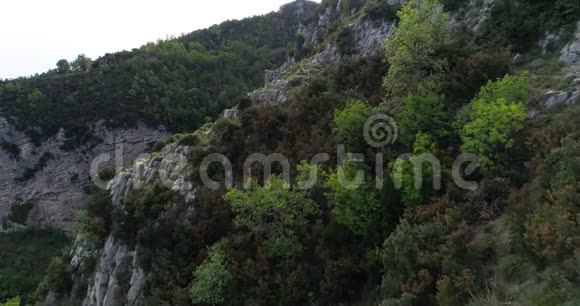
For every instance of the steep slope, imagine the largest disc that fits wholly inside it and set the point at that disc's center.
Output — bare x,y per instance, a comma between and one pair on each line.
120,275
170,239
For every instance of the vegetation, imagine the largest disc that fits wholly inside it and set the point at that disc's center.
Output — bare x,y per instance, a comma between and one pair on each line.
94,223
176,82
425,112
40,164
372,241
25,257
519,23
349,123
212,279
13,302
497,114
19,212
12,149
356,205
416,51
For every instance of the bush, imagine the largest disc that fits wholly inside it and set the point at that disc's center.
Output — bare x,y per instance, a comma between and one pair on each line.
468,74
19,212
345,41
359,208
425,113
212,280
94,223
58,275
267,210
12,149
497,115
404,172
380,10
426,257
12,302
519,23
188,140
349,124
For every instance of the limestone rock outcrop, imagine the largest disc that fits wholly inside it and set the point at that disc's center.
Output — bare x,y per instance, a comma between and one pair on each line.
55,180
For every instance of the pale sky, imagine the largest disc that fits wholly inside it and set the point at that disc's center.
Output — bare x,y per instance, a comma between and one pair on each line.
35,34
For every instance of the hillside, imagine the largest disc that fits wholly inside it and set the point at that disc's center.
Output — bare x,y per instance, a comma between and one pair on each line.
468,190
53,125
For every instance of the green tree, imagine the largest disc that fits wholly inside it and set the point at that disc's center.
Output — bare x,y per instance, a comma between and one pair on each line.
81,63
416,51
497,114
404,170
15,301
492,129
62,66
349,125
267,210
513,88
212,278
424,112
358,207
58,274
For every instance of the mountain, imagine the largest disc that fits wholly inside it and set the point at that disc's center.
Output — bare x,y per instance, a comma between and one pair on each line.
54,124
478,101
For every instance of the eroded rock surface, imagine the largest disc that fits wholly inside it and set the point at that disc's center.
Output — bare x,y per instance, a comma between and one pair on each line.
56,180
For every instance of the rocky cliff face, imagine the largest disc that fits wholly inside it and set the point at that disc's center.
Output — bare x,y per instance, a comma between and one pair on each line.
570,61
118,278
368,40
54,180
570,55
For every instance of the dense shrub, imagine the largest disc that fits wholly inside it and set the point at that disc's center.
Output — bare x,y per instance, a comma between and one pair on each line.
425,112
334,245
426,257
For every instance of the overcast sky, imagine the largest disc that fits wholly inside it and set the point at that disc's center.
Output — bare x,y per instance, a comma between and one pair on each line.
35,34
